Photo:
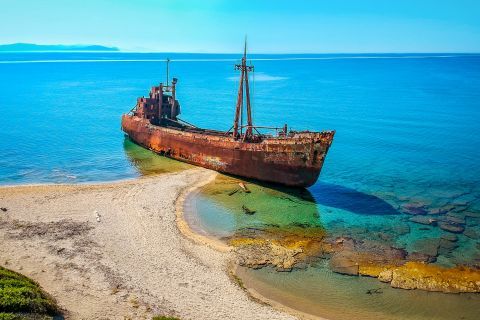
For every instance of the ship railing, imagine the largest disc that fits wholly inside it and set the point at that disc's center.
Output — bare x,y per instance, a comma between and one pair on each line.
279,131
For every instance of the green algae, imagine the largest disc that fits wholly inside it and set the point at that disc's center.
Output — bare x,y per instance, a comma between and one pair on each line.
148,162
276,209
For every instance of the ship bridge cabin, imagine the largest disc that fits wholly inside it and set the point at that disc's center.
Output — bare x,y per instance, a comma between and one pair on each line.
159,105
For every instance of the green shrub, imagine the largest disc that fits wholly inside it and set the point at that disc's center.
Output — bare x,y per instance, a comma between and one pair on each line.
19,294
8,316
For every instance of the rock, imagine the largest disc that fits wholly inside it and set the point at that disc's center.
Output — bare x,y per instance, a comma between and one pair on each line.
454,228
454,219
346,243
471,233
415,209
423,220
386,275
459,208
421,257
4,209
344,262
448,207
384,236
414,275
436,211
428,246
450,237
401,229
446,247
472,214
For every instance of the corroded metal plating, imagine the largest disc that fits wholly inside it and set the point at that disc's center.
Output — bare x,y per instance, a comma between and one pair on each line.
294,161
289,158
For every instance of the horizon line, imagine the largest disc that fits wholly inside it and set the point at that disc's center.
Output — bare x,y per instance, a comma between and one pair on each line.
232,53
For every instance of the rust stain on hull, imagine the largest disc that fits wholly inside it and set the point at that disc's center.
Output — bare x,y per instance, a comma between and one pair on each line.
292,158
293,161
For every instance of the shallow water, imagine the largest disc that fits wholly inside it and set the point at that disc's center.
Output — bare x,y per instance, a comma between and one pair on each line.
319,291
216,212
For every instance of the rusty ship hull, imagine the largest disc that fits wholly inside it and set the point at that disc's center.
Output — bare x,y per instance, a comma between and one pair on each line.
295,160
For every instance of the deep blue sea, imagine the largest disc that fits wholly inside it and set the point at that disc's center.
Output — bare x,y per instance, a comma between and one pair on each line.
407,136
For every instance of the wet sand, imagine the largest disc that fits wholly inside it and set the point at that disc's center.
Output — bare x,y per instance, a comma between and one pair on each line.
113,251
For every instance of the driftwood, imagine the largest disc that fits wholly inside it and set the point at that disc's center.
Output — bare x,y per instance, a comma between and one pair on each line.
244,187
231,193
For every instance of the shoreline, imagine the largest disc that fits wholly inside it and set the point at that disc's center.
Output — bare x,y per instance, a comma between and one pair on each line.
114,250
187,232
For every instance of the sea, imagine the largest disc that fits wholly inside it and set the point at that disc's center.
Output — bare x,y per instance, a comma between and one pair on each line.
407,143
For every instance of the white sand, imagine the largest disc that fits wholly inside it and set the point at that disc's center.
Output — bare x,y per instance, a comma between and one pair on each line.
132,264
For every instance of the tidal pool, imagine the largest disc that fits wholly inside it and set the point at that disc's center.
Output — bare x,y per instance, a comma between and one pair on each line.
218,211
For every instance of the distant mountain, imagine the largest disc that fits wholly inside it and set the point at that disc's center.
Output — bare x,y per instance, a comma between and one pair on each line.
53,47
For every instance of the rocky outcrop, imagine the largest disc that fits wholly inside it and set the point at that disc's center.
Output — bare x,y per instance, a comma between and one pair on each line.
284,251
281,249
415,275
344,262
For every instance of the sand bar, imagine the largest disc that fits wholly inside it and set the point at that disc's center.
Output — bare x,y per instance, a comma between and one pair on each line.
113,251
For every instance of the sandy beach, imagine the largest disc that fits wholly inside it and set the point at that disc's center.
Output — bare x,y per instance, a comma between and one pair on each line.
113,251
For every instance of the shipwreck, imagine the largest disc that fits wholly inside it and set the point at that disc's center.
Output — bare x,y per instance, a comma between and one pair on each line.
292,158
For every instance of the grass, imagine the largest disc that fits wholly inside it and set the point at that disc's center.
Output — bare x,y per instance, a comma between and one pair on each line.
22,298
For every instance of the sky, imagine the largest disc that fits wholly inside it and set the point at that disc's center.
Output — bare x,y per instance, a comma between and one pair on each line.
272,26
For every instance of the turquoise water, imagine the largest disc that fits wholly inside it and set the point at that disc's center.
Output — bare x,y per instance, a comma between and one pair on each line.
405,126
407,143
217,213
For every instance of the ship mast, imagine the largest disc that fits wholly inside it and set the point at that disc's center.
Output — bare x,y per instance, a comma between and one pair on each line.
244,69
168,63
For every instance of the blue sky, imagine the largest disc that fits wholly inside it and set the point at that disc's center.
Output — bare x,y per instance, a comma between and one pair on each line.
295,26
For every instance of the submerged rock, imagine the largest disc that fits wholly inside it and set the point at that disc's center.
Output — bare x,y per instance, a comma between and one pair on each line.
401,229
423,220
454,219
427,246
450,237
472,214
446,247
451,227
437,211
415,209
421,257
472,233
344,262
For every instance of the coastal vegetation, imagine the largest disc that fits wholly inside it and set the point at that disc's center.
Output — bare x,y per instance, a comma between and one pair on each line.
22,298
